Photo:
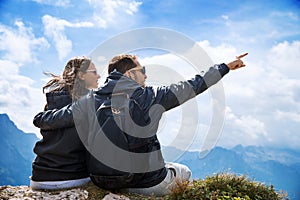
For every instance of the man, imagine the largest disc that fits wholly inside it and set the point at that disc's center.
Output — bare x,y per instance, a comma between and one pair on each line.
118,125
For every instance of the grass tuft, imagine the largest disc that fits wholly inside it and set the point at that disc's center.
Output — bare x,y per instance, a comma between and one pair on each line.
224,186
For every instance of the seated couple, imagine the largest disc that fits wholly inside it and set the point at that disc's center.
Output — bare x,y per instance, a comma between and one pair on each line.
108,135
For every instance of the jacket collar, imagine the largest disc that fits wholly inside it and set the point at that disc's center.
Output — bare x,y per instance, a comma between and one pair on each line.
116,82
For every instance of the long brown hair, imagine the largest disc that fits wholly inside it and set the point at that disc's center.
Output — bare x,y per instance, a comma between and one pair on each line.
69,80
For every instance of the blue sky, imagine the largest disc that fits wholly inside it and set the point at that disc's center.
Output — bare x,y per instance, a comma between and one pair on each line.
261,100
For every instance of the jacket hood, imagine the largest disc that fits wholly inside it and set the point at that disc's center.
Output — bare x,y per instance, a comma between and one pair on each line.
116,82
58,99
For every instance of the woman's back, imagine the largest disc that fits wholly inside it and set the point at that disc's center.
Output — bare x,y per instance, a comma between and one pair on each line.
60,155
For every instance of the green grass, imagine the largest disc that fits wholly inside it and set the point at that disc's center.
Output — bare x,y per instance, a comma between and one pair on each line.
223,186
226,186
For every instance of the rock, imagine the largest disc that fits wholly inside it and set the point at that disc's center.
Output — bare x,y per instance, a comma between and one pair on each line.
112,196
26,193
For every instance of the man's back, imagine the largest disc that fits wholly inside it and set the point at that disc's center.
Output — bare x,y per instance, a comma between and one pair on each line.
121,155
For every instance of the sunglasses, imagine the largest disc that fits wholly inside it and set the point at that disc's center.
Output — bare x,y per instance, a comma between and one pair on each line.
142,68
92,70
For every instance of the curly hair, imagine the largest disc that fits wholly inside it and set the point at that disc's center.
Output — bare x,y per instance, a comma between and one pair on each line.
69,80
122,63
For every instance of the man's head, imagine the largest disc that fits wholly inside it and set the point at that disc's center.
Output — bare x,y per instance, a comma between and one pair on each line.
129,66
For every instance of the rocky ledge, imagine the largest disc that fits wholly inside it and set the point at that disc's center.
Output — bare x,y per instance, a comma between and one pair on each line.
26,193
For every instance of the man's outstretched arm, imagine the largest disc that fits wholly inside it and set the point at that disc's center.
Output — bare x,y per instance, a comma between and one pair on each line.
54,119
176,94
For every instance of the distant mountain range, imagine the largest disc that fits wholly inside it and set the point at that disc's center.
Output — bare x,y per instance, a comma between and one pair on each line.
16,150
279,167
271,166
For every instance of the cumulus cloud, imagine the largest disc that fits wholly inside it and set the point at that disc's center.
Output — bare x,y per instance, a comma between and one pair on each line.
219,54
112,12
16,92
243,129
106,14
262,99
19,44
285,56
55,29
265,97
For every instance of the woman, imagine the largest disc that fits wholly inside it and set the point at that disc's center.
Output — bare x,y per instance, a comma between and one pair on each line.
60,161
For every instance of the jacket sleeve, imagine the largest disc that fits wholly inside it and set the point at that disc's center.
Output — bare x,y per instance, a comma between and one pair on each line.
64,117
54,119
176,94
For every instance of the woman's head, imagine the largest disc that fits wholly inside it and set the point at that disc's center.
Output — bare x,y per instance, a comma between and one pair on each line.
79,74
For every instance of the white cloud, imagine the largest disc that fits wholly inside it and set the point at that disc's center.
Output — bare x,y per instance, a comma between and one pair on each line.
250,27
225,17
278,86
55,29
219,54
112,12
17,96
263,97
286,14
107,13
244,130
58,3
167,64
290,116
133,7
20,44
285,57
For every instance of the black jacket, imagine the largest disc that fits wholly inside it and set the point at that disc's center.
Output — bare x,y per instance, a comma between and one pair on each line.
145,108
60,154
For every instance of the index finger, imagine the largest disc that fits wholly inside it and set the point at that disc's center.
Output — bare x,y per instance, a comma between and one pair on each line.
241,56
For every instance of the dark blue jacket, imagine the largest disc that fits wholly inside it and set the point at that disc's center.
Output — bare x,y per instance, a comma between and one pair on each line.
60,154
145,107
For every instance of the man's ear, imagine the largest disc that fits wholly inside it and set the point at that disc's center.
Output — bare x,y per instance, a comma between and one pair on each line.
81,75
127,74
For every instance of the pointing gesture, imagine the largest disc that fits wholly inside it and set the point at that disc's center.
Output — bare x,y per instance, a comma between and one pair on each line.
241,56
238,63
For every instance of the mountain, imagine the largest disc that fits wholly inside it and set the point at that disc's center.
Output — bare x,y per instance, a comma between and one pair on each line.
16,149
277,167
